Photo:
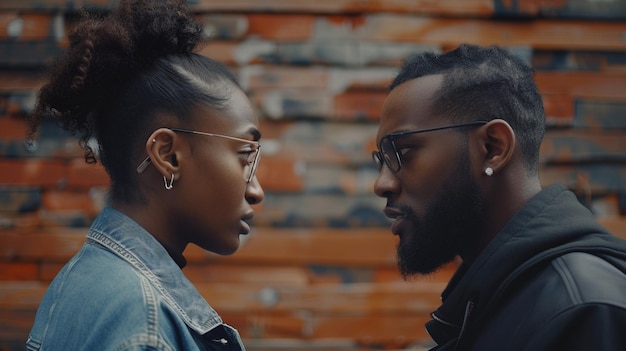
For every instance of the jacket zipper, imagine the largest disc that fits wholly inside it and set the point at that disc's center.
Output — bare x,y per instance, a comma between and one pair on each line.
469,308
434,316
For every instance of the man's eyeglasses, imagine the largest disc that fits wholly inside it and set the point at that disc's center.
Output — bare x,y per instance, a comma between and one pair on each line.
388,154
252,155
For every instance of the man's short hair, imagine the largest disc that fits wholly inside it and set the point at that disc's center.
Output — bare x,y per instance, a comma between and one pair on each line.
484,83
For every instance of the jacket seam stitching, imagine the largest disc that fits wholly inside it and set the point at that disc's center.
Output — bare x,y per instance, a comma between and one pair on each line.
568,280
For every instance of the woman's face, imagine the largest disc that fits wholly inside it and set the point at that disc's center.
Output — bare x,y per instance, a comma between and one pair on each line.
214,197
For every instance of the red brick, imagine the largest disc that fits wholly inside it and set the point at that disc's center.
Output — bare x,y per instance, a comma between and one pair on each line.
559,109
279,174
71,5
371,330
448,7
301,103
18,271
17,200
615,224
225,26
359,106
586,179
223,51
538,34
20,222
279,77
246,274
65,219
32,172
19,81
33,25
12,128
323,143
281,27
83,175
48,270
364,247
274,129
575,145
606,85
90,202
56,245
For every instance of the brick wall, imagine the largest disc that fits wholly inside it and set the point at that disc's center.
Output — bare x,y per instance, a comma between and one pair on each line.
318,272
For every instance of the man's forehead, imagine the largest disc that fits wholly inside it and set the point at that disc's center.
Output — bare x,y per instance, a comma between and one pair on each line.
408,106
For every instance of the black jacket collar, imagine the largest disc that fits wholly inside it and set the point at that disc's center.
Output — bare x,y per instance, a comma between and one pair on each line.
552,223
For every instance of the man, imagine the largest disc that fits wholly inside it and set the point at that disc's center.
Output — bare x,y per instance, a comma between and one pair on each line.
458,151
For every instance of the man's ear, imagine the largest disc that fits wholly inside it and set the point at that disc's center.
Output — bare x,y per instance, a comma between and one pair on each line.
499,144
162,147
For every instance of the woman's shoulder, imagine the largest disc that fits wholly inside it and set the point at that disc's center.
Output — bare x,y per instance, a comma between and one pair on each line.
96,292
98,276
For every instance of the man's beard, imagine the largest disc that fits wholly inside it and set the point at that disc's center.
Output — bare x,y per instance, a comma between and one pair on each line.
447,226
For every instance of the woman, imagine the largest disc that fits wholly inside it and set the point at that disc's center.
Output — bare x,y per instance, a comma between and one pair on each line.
179,140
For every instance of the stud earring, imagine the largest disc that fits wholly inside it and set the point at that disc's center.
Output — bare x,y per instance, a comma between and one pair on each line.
171,183
154,140
489,171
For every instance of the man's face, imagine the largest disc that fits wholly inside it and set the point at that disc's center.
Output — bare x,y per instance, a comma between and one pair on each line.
433,198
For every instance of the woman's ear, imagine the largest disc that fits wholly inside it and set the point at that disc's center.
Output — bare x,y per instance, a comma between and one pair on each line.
162,147
499,145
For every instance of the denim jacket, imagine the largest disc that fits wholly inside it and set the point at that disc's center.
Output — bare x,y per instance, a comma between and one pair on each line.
123,291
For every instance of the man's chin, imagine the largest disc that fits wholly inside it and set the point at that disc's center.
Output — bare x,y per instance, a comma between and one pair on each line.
413,273
420,267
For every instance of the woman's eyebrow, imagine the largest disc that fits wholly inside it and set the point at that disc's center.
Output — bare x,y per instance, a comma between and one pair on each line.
256,134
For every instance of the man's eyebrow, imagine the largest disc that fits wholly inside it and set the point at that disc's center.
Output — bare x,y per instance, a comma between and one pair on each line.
402,132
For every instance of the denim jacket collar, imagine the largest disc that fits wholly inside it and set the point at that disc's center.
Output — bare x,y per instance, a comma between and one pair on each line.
123,236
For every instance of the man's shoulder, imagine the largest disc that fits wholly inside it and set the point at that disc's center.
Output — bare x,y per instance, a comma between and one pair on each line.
573,290
588,278
562,283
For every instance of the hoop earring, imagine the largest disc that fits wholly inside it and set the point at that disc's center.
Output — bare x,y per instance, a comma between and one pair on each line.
171,184
489,171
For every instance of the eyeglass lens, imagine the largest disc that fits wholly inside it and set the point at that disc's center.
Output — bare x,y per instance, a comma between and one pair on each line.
386,155
388,151
250,168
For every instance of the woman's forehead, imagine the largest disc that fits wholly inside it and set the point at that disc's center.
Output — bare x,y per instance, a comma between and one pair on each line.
237,117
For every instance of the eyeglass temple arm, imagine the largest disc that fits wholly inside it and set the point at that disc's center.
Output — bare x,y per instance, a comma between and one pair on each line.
144,164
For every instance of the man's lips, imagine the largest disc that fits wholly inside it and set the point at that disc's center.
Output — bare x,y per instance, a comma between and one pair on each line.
396,214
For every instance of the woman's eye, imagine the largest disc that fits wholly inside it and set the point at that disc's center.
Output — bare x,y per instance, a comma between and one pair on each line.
245,154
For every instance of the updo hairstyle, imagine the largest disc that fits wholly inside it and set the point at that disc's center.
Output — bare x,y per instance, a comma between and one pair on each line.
122,70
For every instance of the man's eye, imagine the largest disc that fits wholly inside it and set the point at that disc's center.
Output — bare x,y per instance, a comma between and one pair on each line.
403,150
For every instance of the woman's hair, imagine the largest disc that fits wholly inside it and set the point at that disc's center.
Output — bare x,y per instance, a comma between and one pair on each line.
121,71
485,83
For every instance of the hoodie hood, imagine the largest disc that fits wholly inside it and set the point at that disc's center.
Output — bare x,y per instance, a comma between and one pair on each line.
551,224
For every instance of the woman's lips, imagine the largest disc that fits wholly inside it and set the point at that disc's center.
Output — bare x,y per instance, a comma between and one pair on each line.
244,228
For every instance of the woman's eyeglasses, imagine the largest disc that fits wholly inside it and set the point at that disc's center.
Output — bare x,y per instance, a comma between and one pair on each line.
388,154
252,155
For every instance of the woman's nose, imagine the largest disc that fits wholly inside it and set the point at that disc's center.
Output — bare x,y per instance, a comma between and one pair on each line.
254,191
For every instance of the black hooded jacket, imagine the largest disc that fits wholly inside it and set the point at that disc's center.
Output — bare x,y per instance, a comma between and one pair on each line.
551,279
